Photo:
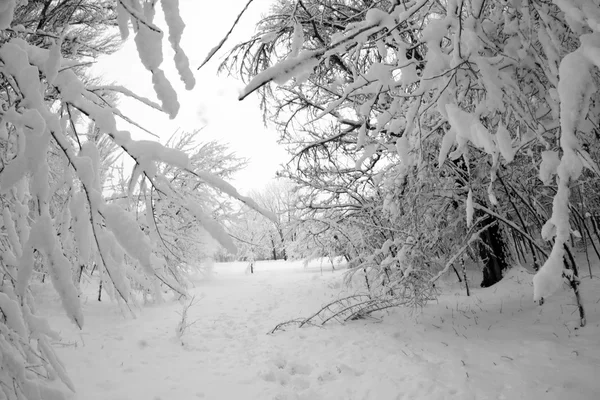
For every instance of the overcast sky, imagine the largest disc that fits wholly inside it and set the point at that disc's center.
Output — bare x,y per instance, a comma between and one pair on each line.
213,103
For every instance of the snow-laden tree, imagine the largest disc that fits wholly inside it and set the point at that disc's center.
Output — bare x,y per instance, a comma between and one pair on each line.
185,245
259,237
278,198
56,128
254,236
479,89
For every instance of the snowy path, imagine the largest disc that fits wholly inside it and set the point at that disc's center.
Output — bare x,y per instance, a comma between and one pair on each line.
463,348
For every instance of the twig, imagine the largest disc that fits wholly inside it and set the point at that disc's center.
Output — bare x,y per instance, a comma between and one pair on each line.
222,42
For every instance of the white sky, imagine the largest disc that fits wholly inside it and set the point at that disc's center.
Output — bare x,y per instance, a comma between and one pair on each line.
213,103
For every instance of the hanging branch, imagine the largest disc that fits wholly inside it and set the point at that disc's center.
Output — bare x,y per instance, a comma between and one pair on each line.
473,238
536,265
139,17
68,152
512,225
574,282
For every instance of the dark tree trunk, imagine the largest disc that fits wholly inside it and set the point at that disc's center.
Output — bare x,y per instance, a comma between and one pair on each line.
274,249
457,274
81,268
283,253
492,253
493,249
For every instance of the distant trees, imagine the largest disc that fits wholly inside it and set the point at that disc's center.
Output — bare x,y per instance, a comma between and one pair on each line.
438,108
278,197
262,238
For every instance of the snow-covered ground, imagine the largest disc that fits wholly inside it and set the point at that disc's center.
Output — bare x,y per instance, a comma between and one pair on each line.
496,344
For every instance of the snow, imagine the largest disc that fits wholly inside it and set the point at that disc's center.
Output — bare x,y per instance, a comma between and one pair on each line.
82,228
11,232
217,348
52,63
496,344
10,311
7,9
165,93
403,149
148,150
470,209
297,40
376,16
123,18
176,26
362,137
268,37
469,129
369,151
211,226
575,88
129,236
283,71
225,187
548,166
447,143
43,237
549,279
504,142
126,92
149,45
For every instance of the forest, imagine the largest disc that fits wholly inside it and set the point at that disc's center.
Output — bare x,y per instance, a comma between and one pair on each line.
429,141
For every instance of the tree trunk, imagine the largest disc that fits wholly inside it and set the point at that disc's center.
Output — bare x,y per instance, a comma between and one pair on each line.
284,254
492,253
81,268
274,249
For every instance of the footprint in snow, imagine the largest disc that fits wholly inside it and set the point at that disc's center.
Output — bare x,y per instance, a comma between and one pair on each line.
288,374
340,370
299,383
344,369
279,361
326,376
295,368
276,376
